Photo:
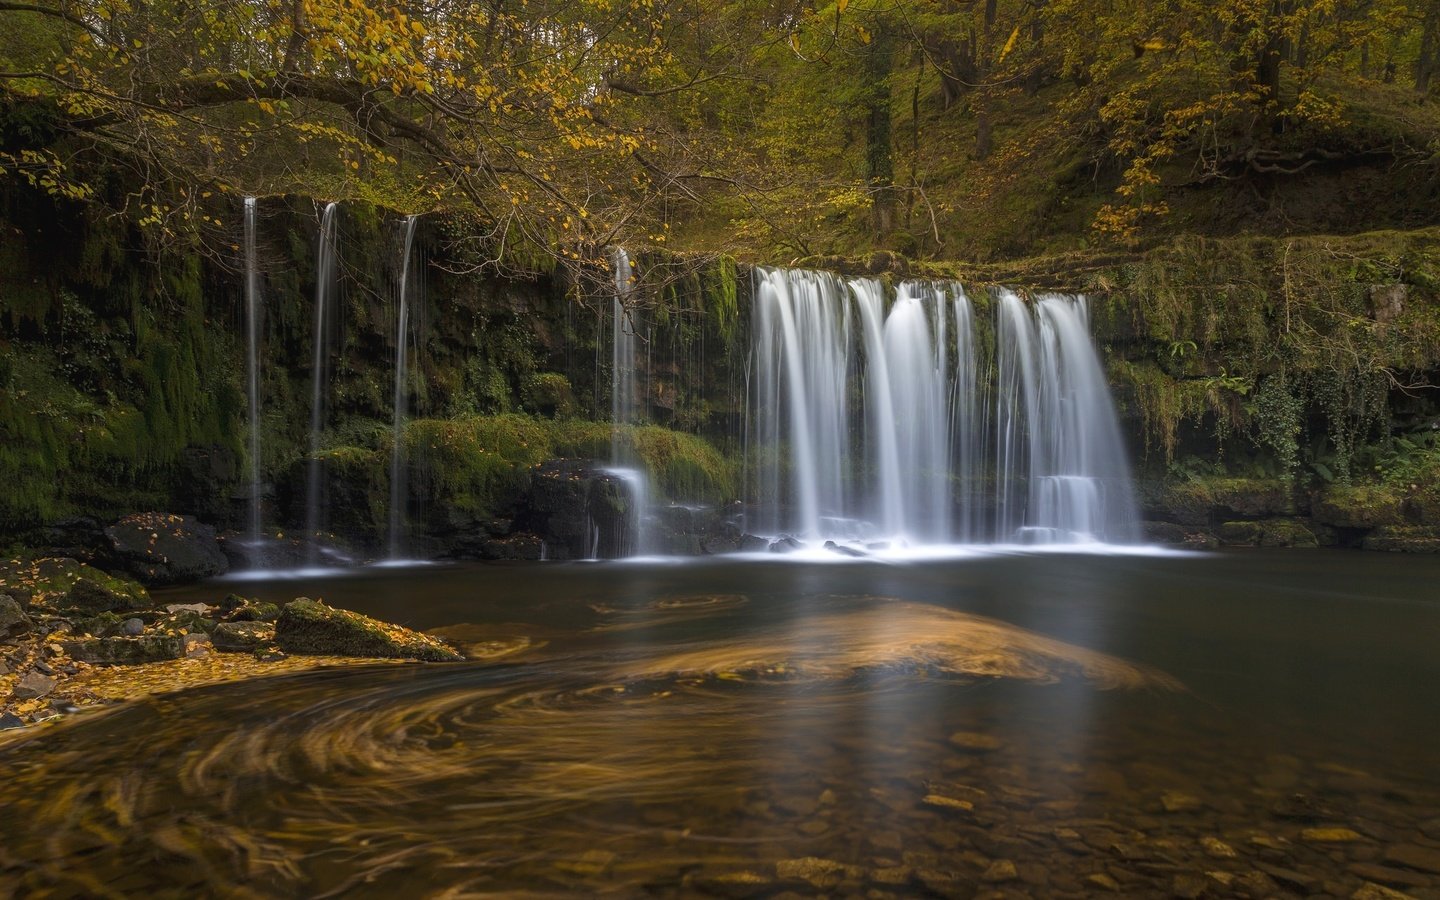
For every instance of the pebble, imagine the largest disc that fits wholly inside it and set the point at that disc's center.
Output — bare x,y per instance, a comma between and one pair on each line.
1102,881
1176,801
1388,875
132,627
1189,886
974,741
1217,848
949,804
1000,870
1370,891
1413,856
1330,835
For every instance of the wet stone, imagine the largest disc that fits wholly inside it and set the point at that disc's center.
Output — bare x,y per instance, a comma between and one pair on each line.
9,720
590,864
1288,877
34,686
1101,881
1370,891
1177,801
1189,886
1000,870
1256,884
948,804
893,875
1330,835
734,884
1414,856
1214,847
811,870
974,741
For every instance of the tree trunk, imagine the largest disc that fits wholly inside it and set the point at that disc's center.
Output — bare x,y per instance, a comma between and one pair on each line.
879,162
1425,61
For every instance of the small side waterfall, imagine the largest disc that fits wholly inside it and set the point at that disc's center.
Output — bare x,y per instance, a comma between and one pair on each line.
925,468
625,401
398,486
324,289
1077,478
252,369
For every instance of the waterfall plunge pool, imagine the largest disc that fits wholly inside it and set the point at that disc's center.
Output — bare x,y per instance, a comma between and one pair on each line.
1049,723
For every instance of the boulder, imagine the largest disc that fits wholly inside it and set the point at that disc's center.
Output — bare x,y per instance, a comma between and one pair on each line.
1404,539
34,686
307,626
126,651
12,617
255,612
1269,533
93,597
159,548
242,637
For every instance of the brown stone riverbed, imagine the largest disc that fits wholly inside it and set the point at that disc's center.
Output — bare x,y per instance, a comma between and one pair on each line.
1043,725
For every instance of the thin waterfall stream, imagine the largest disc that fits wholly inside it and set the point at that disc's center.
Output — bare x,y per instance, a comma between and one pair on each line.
324,288
252,373
398,484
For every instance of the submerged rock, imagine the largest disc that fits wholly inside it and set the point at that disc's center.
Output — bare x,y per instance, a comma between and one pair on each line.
308,626
159,548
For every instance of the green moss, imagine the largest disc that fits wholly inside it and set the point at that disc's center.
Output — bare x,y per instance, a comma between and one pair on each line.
548,394
310,627
684,466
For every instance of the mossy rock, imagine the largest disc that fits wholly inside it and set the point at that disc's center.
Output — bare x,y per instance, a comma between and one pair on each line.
1404,539
242,637
1359,505
93,597
1198,501
47,581
126,651
310,627
1269,533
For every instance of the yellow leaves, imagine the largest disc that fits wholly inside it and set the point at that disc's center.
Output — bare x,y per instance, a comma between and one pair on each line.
1010,44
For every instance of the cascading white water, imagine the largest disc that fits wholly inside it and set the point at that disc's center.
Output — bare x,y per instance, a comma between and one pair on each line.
923,469
398,491
625,401
324,288
1079,480
802,354
252,368
623,404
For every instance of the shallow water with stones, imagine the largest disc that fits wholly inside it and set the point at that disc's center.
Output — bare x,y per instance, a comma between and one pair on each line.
1254,724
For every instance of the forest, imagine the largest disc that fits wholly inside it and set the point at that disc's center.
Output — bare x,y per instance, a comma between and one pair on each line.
767,130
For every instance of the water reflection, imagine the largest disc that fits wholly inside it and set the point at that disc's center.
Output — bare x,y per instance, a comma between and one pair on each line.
737,732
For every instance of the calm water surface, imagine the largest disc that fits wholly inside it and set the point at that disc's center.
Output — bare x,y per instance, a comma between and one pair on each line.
750,728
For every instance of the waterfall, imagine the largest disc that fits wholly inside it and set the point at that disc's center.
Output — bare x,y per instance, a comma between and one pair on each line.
953,442
324,288
398,491
624,401
1079,482
252,370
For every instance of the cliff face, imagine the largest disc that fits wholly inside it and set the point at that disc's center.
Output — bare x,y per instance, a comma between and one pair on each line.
1275,391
